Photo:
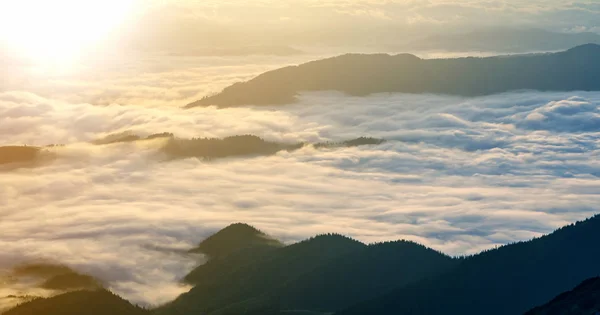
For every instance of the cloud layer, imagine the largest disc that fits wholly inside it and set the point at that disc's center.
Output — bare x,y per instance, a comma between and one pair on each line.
457,174
148,79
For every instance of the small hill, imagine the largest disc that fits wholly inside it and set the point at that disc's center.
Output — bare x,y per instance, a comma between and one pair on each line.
99,302
509,280
583,300
577,69
233,238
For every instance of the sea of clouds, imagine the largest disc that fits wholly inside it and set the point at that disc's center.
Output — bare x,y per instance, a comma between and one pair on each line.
456,174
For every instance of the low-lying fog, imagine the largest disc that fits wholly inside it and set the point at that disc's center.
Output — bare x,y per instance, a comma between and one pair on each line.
457,174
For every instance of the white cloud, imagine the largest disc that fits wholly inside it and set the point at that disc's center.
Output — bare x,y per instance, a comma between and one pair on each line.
137,79
457,174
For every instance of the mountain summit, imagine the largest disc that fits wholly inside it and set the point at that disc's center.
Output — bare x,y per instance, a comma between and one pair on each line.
233,238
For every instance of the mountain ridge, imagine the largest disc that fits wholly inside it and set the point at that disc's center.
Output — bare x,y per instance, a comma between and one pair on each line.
334,273
524,274
363,74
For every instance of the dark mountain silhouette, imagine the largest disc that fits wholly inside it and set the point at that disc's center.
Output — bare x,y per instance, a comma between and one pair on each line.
251,274
246,281
100,302
509,280
233,238
363,275
360,75
504,40
210,272
583,300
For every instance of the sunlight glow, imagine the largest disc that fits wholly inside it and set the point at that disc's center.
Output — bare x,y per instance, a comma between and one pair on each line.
58,31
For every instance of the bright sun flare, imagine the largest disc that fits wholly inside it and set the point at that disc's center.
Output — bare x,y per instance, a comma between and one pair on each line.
58,30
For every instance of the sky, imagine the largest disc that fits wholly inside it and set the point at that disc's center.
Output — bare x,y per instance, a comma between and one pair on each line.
308,23
167,25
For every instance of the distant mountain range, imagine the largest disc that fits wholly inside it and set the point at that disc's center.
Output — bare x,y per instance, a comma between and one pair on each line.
251,273
505,40
360,75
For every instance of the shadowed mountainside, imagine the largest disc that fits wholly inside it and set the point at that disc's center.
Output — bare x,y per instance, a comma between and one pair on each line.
359,75
258,274
326,273
583,300
362,275
251,273
100,302
509,280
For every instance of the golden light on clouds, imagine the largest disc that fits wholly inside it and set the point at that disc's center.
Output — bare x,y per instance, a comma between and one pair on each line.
58,31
